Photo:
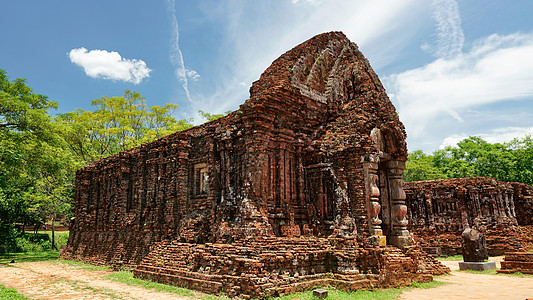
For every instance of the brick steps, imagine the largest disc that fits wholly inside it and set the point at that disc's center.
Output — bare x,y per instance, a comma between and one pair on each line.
278,266
517,262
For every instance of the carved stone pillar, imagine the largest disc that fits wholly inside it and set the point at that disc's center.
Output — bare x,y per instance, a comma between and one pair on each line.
399,234
370,166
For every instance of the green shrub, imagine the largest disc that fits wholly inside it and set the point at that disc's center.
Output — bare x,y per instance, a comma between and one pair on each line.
12,241
8,238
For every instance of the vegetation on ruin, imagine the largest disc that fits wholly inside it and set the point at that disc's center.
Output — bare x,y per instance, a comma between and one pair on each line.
472,157
44,255
211,117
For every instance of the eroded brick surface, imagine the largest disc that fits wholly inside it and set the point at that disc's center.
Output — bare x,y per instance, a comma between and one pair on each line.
439,210
297,188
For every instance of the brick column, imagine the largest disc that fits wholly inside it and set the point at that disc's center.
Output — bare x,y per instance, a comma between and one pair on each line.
399,234
370,166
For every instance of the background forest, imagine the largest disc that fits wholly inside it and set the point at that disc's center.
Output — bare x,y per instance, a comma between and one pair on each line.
40,152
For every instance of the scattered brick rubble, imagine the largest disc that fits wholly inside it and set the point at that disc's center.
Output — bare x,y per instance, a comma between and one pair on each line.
439,211
300,187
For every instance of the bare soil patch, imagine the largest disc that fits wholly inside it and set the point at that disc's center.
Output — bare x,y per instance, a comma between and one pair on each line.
57,280
465,285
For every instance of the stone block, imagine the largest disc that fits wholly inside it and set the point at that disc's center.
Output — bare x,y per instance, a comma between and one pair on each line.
477,266
320,293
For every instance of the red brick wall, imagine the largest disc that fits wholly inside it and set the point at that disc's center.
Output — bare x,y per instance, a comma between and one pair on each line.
439,210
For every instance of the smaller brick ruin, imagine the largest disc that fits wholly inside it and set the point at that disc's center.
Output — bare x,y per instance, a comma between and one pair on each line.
300,187
517,262
439,211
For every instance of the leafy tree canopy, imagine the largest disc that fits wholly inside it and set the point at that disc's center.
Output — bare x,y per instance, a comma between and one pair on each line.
30,148
117,124
40,153
472,157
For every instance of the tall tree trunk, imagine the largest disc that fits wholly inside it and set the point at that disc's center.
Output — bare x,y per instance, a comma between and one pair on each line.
53,232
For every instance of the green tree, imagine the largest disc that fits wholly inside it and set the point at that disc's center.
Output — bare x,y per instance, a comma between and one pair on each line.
420,166
53,198
29,147
474,156
522,150
117,124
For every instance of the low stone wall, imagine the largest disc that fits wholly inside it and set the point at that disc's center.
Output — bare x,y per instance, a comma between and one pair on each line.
278,266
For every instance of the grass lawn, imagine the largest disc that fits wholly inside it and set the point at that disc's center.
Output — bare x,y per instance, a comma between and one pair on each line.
10,294
333,294
61,237
127,278
28,256
384,294
451,258
48,254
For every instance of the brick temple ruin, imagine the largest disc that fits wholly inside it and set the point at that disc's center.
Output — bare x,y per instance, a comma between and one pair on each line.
300,187
439,211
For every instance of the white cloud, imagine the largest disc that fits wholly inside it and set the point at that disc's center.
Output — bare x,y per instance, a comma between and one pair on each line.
497,68
109,65
498,135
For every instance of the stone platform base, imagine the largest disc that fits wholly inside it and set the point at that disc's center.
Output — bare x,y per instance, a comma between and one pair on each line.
477,266
276,266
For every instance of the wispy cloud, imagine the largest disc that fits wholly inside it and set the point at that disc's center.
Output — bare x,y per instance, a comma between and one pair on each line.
176,56
249,50
497,68
311,2
192,74
109,65
450,36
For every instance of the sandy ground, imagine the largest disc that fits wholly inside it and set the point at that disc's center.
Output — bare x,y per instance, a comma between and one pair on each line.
463,285
57,280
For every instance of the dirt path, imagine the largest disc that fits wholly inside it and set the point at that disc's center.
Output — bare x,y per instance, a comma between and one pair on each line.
57,280
464,285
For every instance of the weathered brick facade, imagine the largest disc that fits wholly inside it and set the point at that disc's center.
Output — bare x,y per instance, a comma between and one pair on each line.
311,163
439,211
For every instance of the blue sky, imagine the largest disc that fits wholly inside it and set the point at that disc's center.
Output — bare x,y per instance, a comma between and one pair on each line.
452,68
